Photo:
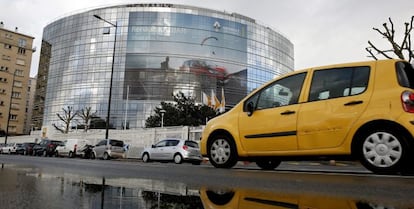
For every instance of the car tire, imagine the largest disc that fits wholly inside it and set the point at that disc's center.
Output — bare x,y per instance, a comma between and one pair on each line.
268,164
44,153
178,159
220,197
145,158
56,154
105,156
222,151
383,151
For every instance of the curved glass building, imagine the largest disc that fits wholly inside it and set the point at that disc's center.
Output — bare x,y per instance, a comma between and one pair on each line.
155,51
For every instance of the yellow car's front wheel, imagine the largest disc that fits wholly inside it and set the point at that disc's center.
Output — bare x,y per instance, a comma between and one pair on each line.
222,151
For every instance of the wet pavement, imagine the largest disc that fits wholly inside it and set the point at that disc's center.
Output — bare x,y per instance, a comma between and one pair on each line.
32,187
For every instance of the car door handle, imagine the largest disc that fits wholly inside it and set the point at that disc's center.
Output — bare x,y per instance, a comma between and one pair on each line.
288,112
353,103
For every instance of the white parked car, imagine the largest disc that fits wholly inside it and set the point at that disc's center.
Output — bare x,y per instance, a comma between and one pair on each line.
177,150
72,148
9,148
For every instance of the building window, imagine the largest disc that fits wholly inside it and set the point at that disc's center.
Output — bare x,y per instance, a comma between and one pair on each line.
8,36
12,128
22,42
4,80
21,50
7,46
16,94
19,72
15,106
17,84
1,103
13,117
3,68
20,62
5,57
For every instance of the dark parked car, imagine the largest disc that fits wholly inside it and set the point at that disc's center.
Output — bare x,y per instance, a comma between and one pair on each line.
46,147
25,148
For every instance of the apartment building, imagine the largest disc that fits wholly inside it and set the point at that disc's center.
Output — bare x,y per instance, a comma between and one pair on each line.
31,90
15,59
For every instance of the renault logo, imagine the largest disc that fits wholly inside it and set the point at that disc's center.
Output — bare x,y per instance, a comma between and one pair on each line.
217,26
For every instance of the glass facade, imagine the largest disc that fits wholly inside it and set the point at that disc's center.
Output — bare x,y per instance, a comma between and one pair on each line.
160,50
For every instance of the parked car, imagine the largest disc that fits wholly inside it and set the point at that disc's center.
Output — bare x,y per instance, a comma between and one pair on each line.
9,148
108,148
72,148
25,148
356,111
46,147
177,150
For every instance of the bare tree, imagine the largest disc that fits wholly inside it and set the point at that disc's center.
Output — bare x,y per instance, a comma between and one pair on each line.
402,50
86,114
66,118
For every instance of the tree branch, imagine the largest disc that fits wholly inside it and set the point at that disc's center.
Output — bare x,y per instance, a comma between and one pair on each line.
379,51
368,49
392,29
57,128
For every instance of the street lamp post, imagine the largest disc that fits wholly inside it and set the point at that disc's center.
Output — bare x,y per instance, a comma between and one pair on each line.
162,117
10,107
112,75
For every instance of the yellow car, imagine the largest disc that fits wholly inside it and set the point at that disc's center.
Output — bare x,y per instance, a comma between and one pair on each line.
248,199
355,111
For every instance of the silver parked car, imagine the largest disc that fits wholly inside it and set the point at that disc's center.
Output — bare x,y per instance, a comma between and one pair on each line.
107,149
177,150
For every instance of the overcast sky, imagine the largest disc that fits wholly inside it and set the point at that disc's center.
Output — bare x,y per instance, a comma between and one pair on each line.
322,31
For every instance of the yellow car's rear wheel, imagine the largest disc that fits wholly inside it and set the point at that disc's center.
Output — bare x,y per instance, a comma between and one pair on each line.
383,151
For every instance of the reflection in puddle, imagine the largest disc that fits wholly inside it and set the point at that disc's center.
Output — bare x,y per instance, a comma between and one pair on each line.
22,187
258,199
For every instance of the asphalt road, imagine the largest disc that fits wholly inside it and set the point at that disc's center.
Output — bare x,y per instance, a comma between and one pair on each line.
341,180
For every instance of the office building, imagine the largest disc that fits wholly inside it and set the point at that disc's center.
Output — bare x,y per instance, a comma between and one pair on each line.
159,50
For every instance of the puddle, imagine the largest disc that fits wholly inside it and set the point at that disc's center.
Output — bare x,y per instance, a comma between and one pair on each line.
25,187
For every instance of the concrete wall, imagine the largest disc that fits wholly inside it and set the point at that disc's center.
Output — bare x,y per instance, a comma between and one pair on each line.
137,138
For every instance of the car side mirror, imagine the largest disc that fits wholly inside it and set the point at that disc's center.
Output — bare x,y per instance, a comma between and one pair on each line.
153,146
250,108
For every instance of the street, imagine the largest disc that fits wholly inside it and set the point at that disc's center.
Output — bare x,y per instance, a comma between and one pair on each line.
345,181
